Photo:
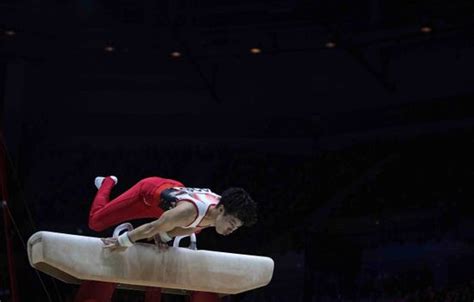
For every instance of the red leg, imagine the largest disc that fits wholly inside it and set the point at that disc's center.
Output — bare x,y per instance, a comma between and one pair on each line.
102,196
140,201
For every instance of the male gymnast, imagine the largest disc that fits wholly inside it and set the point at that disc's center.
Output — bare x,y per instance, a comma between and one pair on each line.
177,211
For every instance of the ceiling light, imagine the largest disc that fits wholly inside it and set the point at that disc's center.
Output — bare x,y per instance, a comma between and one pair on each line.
255,50
330,44
426,29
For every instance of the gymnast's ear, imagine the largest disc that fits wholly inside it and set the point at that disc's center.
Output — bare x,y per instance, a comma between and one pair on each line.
220,208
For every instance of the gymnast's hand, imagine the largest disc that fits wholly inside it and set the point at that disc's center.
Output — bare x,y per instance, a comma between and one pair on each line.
113,244
162,246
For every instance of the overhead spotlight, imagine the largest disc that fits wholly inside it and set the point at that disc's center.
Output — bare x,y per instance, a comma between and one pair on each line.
175,54
10,32
255,50
330,44
109,48
426,29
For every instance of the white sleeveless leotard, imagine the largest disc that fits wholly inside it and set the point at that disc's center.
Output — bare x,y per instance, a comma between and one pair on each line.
202,199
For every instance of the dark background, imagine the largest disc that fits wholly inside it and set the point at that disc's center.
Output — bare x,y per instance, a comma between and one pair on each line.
359,154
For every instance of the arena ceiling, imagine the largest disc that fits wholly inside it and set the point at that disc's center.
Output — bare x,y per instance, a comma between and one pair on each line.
311,59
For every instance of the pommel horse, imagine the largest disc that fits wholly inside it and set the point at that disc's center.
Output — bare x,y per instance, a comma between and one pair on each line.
177,270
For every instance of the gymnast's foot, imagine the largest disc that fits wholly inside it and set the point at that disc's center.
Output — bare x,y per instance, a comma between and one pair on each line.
100,179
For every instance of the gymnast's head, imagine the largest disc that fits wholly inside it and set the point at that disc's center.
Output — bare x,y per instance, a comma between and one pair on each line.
235,209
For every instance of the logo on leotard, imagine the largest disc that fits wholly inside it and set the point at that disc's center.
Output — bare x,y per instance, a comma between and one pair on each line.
194,190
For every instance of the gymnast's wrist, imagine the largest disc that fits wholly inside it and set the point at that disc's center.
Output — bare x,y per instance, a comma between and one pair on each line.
125,240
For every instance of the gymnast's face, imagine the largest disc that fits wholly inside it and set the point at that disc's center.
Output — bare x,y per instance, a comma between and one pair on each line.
226,224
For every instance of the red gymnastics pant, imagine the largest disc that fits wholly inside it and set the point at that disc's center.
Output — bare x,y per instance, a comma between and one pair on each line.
140,201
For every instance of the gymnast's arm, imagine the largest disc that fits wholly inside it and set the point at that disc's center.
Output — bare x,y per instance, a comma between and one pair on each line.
183,214
180,231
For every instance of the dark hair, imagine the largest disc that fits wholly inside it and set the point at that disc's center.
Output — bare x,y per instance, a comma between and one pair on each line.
237,202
